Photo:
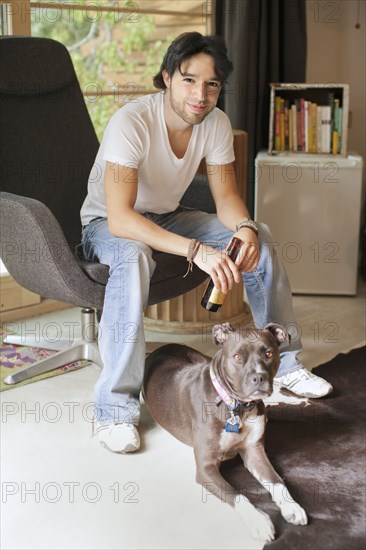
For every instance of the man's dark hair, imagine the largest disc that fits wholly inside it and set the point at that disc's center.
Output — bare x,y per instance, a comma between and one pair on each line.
192,43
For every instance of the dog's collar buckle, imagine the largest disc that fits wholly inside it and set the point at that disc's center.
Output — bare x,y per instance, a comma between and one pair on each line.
218,400
247,405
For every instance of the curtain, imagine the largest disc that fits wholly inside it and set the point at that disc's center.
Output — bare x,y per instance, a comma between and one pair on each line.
266,41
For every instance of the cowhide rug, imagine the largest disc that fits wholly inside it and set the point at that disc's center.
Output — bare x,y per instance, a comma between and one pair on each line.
318,447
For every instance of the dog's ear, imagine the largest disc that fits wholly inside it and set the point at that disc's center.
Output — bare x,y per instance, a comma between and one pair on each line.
220,332
279,332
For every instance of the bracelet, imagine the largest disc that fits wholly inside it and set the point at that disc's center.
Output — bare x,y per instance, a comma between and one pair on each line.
198,244
247,222
191,254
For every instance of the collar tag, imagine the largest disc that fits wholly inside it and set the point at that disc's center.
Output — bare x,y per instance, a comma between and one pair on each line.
233,424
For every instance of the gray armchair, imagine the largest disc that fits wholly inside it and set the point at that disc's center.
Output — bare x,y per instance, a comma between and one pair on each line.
48,147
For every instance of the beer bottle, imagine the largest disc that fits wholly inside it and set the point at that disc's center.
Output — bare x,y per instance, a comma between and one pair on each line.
213,298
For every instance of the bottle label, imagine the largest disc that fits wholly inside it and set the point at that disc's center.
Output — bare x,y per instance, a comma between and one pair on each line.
216,296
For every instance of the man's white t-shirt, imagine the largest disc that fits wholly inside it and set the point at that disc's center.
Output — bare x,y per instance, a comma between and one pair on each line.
136,136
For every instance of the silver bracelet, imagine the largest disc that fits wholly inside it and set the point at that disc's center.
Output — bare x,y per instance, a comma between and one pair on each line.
247,222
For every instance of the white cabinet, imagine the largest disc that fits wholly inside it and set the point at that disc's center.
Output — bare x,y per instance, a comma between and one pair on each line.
312,204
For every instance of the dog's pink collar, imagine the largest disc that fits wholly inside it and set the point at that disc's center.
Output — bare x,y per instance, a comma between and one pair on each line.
229,401
226,398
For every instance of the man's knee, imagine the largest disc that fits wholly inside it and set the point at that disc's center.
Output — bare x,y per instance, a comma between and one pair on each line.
122,254
131,266
266,243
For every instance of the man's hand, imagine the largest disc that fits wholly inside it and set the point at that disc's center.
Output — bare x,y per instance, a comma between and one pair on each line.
221,268
249,253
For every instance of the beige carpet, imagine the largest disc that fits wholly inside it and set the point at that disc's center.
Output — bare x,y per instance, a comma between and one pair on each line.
331,325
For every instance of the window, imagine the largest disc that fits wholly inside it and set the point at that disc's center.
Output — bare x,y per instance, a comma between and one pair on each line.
116,45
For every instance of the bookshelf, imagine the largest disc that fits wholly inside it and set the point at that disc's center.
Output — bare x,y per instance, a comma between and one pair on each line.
308,118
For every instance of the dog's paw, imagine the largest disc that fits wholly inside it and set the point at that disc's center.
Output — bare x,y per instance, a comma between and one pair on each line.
261,527
293,513
258,523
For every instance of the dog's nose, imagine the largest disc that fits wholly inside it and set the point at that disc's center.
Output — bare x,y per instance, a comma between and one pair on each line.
259,378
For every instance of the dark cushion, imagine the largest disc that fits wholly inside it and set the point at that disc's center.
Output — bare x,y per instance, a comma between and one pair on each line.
198,195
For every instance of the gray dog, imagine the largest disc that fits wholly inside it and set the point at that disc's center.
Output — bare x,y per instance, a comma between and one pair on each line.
215,406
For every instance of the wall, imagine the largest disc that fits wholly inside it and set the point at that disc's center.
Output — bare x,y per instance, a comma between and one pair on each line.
337,53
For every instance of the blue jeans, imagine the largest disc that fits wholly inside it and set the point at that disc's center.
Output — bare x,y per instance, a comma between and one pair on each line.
121,337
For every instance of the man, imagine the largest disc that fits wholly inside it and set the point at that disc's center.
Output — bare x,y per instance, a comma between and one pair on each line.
149,154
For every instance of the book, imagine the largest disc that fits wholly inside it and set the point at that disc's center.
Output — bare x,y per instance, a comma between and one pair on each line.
326,128
319,137
299,125
277,123
335,125
340,118
294,127
303,128
282,124
313,128
286,116
306,125
290,130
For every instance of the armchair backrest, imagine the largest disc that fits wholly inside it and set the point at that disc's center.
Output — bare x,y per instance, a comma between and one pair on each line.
48,142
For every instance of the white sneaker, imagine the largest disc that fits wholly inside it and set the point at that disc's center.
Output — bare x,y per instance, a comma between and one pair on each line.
305,383
119,438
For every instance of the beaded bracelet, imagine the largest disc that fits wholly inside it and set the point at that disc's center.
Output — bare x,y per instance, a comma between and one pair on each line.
247,222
